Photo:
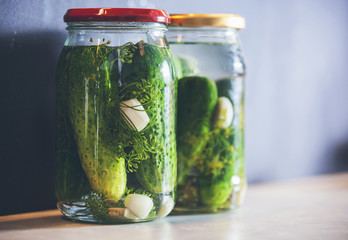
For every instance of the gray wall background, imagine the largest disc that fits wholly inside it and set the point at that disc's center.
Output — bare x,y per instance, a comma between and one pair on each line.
296,89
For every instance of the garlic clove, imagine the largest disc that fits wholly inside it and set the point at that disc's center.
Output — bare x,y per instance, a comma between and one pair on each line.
128,214
140,205
135,114
167,207
224,112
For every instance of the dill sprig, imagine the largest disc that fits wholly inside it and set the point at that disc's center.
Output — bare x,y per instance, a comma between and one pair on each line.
133,146
140,145
126,51
217,155
97,205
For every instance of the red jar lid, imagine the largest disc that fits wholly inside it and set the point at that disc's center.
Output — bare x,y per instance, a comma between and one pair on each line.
116,15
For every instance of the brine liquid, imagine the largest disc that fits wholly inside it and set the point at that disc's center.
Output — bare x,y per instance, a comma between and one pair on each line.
215,61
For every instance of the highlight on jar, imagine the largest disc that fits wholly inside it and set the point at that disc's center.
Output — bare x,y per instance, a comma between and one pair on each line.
210,130
115,145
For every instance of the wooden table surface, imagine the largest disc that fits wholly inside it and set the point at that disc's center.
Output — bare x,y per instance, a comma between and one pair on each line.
303,209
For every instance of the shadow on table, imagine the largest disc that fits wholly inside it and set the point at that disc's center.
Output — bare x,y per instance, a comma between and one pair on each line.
59,221
38,223
177,217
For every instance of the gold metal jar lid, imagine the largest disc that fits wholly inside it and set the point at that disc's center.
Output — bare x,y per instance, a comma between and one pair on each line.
208,20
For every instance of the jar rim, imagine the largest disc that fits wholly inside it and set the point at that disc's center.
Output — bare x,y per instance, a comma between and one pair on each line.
108,25
207,20
116,15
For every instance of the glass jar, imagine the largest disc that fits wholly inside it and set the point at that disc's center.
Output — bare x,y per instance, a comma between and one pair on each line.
210,121
115,144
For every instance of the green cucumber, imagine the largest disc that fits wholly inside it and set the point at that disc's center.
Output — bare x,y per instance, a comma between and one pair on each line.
92,110
214,193
217,168
223,154
149,69
197,97
231,88
71,181
184,66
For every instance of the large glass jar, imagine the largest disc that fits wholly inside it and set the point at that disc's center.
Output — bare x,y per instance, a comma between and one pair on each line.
115,144
210,67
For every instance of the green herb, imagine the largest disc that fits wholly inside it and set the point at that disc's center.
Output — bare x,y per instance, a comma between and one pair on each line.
97,205
157,171
216,168
131,190
140,144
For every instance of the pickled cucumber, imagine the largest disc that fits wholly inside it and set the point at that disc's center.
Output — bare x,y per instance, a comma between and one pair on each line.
92,110
197,97
149,67
185,66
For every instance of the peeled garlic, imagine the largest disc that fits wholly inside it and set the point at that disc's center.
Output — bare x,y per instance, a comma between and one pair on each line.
167,207
224,112
128,214
138,204
135,115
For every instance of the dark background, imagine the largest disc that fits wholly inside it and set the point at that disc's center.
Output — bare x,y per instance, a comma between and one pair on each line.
296,89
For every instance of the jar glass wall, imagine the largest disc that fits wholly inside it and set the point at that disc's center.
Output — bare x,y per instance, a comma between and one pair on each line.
210,130
115,144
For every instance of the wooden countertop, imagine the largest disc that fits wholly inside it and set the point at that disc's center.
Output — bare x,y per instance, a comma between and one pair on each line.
309,208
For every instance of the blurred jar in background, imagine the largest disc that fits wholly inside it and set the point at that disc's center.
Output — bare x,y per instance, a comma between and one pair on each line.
210,121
